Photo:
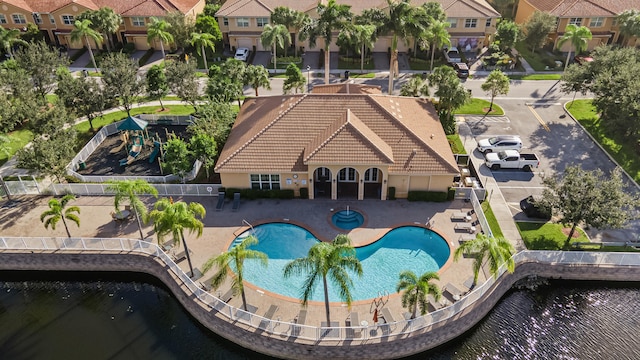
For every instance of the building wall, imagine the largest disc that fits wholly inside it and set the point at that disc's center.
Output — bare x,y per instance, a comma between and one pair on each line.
8,10
63,29
525,10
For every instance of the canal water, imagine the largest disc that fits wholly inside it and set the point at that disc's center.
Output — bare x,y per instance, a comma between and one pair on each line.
130,316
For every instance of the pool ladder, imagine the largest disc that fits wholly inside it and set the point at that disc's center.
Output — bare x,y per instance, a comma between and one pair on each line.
244,223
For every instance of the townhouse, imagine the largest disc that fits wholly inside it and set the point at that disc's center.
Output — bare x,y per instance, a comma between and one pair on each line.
55,18
473,22
598,15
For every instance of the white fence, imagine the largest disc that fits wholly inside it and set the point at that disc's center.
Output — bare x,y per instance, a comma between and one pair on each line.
163,189
289,330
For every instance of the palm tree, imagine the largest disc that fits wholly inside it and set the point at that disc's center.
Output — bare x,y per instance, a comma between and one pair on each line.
578,36
327,260
416,87
202,41
8,38
104,20
402,20
158,29
332,17
362,36
495,251
174,218
274,37
291,19
82,31
257,76
438,36
417,289
129,190
235,257
58,212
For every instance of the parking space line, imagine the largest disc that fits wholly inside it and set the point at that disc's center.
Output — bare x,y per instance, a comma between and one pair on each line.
544,125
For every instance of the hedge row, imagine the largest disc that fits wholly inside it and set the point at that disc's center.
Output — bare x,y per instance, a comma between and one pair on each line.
253,194
434,196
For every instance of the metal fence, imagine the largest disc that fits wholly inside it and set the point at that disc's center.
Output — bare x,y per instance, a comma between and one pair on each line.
290,330
163,189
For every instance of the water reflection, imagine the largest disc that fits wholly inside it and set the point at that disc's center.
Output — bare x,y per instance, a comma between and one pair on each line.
75,316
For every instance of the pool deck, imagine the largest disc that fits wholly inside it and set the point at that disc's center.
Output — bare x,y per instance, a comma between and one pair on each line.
220,227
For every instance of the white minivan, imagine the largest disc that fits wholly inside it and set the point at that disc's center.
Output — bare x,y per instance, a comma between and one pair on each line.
498,143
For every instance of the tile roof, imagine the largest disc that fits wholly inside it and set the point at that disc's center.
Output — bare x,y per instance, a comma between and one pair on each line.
577,8
128,7
453,8
288,132
346,88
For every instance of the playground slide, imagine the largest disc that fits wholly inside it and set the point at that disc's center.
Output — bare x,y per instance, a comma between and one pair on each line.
156,150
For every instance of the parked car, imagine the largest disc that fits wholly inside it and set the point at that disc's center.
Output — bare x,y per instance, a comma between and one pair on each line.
242,54
452,55
511,159
501,142
462,69
582,59
533,209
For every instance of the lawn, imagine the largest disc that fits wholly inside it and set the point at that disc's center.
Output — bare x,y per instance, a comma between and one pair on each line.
17,140
354,64
491,219
363,75
623,152
536,77
546,236
419,64
479,107
538,60
456,144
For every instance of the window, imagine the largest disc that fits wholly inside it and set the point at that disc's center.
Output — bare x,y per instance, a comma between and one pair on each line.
575,21
596,22
261,22
470,23
614,22
323,174
242,22
67,19
347,175
19,19
488,23
52,19
452,22
371,175
137,21
37,18
265,181
225,21
3,19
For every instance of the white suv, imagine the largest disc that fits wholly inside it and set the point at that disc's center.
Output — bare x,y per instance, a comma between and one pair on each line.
498,143
242,54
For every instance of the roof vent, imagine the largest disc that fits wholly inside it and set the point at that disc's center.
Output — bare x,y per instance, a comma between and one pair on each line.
414,151
432,136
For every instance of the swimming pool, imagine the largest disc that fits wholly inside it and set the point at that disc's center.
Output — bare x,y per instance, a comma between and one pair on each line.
404,248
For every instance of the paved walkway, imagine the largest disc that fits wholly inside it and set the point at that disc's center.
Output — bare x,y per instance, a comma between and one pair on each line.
95,221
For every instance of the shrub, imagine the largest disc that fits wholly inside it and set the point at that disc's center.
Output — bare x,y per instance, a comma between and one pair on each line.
451,194
392,193
143,60
434,196
304,193
129,48
252,194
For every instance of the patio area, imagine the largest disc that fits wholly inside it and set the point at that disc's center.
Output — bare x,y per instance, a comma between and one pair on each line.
220,227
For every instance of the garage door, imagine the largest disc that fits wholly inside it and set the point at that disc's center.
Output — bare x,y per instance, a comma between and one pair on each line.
382,45
245,42
141,43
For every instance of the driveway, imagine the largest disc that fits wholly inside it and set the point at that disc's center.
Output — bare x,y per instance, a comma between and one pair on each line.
546,130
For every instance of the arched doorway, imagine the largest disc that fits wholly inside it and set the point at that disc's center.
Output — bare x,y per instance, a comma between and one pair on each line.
373,183
347,183
322,183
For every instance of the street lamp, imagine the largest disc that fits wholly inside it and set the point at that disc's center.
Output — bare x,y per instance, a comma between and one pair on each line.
308,78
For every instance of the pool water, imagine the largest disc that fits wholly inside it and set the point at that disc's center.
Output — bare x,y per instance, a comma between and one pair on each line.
347,219
404,248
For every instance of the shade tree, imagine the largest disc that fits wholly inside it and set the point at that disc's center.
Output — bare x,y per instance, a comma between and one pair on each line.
537,29
157,85
257,76
182,80
121,81
497,83
294,80
40,63
451,95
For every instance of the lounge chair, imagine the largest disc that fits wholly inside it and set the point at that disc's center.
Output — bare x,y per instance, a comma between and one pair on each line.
236,201
299,320
460,216
268,315
220,203
389,321
465,227
452,293
354,330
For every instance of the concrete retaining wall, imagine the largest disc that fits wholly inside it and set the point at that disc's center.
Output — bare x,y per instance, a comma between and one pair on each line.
384,348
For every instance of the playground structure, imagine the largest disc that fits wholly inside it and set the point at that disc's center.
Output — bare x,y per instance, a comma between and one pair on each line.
135,129
134,150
